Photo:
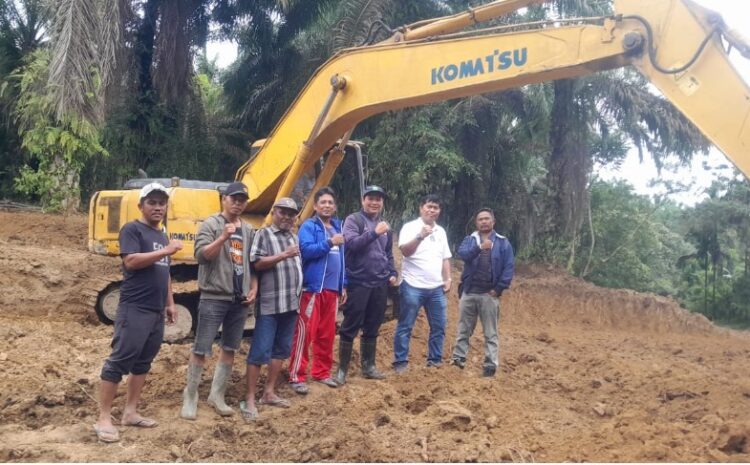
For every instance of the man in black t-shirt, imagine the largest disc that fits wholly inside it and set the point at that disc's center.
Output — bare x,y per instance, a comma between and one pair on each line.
145,295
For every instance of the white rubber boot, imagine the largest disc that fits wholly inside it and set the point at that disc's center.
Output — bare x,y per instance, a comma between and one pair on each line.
190,394
218,387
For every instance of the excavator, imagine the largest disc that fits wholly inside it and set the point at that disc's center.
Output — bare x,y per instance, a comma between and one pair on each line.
681,47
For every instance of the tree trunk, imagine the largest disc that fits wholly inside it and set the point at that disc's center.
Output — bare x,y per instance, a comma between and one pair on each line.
705,285
570,162
66,190
475,142
144,49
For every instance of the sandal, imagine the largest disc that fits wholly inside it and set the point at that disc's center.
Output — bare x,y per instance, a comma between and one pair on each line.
330,382
299,388
277,402
107,435
249,415
142,422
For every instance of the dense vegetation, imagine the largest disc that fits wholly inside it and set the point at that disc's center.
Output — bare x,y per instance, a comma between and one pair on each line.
91,91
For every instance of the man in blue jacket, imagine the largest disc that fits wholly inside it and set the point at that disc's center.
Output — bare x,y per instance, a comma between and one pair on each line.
323,288
488,271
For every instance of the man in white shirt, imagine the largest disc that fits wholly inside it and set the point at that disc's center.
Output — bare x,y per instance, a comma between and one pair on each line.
426,272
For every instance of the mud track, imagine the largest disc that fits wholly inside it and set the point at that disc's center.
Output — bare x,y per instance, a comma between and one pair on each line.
588,374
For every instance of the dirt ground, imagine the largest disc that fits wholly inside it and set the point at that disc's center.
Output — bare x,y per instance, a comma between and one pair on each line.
587,374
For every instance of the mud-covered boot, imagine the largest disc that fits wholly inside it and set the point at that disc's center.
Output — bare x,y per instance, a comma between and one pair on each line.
190,394
368,347
218,387
345,356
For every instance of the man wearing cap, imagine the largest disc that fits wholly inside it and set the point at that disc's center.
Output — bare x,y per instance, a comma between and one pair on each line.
275,258
426,278
369,270
145,297
324,283
227,289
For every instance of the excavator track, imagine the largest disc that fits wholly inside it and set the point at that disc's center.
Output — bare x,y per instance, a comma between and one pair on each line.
102,295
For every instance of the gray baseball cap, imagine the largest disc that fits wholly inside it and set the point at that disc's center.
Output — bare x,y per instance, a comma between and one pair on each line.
286,202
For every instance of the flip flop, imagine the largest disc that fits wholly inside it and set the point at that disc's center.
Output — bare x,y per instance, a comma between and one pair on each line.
249,415
106,435
330,382
142,422
277,402
299,388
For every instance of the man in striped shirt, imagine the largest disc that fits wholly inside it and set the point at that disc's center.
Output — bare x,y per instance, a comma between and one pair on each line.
275,258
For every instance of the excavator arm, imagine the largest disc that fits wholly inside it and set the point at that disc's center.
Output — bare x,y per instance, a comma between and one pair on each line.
676,44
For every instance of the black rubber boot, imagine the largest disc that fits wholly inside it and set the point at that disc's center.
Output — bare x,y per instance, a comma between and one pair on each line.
368,347
345,355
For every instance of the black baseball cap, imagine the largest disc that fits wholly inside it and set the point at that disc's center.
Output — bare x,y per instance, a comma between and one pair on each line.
369,190
236,188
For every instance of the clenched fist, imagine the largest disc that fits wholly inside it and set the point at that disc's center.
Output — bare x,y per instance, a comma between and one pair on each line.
174,246
291,251
229,229
382,228
337,239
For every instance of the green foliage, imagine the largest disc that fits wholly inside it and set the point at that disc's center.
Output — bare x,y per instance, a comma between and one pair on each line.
56,149
716,274
417,143
636,246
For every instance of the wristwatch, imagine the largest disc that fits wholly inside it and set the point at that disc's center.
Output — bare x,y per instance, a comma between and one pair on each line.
419,237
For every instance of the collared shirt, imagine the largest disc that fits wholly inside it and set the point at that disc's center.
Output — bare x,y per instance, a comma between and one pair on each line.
281,285
424,268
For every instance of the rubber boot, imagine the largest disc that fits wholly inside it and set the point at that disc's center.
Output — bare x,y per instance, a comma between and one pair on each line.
190,394
218,387
368,347
345,356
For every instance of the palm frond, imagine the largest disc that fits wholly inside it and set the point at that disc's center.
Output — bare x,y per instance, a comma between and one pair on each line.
74,80
111,38
356,18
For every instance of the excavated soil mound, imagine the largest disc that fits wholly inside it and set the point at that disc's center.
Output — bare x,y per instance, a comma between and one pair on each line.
587,374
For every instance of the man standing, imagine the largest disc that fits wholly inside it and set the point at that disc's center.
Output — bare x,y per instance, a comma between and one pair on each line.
488,271
426,278
227,289
369,271
322,248
275,257
139,326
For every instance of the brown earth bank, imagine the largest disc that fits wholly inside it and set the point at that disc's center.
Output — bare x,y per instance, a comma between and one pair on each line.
588,374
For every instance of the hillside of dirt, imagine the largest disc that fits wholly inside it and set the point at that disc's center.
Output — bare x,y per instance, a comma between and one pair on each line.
588,374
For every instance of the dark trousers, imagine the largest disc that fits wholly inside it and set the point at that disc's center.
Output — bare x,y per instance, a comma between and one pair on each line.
136,341
365,310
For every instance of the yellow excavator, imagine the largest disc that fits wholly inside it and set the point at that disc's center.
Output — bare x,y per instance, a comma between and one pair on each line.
679,46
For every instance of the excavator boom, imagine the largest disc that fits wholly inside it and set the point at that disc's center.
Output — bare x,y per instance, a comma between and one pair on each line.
674,43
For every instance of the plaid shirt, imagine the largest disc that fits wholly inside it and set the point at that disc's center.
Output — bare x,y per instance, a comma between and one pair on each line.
280,286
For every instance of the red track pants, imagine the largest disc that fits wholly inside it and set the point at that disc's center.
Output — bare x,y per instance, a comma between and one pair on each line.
316,324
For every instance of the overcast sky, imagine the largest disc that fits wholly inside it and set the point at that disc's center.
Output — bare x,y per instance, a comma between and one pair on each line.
737,14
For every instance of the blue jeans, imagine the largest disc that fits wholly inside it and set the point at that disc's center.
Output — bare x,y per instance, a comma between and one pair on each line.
272,338
434,303
214,313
